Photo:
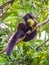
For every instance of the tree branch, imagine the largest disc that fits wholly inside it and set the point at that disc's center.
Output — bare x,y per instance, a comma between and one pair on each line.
2,12
5,4
29,32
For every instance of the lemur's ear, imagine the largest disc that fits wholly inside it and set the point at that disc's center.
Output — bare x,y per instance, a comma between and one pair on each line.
29,15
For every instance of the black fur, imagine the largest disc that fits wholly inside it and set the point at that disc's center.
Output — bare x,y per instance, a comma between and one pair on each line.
21,31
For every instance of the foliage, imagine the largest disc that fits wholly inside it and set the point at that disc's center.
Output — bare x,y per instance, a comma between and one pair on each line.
25,53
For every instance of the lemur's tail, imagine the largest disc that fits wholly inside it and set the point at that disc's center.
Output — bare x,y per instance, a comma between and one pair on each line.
11,44
12,41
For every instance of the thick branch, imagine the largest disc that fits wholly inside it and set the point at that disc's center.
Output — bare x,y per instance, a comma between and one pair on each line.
29,32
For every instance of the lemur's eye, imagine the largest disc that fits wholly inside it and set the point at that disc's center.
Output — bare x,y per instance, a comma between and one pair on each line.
31,22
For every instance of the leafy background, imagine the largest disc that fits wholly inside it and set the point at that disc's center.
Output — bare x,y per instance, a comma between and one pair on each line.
25,53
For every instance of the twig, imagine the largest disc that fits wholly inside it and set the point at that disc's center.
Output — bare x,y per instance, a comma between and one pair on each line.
29,32
22,2
38,48
44,42
46,21
4,49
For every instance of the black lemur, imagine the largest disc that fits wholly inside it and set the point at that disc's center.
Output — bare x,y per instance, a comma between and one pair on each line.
22,29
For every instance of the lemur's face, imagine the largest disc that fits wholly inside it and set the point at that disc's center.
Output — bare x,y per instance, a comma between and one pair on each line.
29,19
30,22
